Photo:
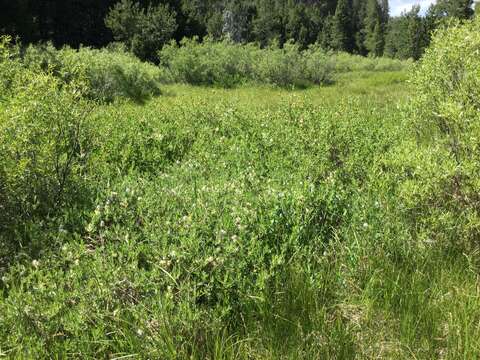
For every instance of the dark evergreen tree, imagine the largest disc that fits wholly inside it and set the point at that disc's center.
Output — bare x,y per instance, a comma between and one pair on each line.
358,18
325,37
385,11
461,9
407,35
374,27
342,34
268,25
297,25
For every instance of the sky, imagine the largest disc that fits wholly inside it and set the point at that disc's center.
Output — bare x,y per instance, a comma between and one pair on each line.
397,6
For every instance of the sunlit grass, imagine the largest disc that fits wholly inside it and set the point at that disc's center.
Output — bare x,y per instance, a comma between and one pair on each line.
248,223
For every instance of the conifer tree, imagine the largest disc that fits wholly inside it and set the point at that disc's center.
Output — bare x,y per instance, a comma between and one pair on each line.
298,26
325,36
415,34
407,35
359,14
374,28
385,12
342,37
461,9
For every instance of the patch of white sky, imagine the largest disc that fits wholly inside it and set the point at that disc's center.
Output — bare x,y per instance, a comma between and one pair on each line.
398,6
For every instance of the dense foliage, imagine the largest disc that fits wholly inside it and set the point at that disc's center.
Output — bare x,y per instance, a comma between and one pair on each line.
447,110
45,145
143,31
105,74
254,223
227,64
358,26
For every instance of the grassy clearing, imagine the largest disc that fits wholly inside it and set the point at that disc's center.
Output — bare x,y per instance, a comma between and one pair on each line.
247,223
383,86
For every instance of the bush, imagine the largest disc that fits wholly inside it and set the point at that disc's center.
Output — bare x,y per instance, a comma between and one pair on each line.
281,66
448,80
319,65
45,143
442,197
228,64
345,62
10,66
107,74
208,63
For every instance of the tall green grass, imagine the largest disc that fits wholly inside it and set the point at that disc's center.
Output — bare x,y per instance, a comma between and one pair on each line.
345,62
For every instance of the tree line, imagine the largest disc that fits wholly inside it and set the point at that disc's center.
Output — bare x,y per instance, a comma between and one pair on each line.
357,26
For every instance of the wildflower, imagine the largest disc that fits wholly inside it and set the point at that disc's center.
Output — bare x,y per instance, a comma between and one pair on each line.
164,263
35,264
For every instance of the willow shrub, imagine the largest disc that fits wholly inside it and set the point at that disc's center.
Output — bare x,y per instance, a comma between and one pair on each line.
44,150
109,74
345,62
227,64
440,184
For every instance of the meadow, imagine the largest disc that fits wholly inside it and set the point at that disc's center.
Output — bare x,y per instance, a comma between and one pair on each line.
244,220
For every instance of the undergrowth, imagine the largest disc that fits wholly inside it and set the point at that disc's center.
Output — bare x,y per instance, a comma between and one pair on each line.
227,64
107,74
211,226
